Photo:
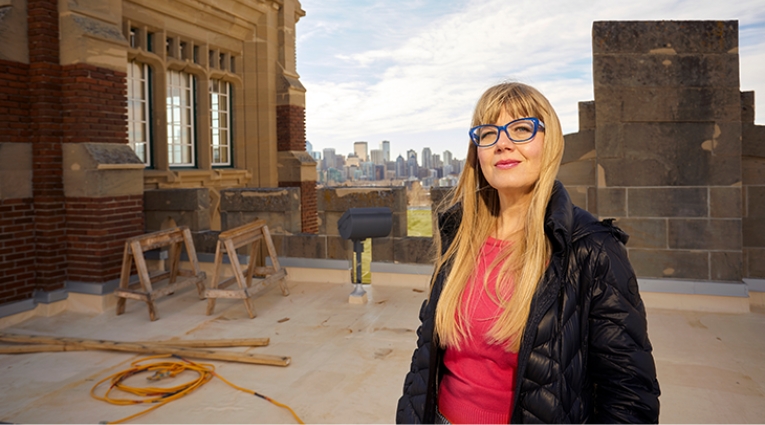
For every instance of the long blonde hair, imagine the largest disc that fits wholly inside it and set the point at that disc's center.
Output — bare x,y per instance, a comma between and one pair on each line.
524,262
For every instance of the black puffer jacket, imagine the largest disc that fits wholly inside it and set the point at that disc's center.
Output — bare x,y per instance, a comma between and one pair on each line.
585,354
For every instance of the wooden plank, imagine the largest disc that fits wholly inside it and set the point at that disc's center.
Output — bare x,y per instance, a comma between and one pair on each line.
238,274
243,228
264,271
215,277
226,293
127,263
245,238
209,343
132,294
153,242
151,348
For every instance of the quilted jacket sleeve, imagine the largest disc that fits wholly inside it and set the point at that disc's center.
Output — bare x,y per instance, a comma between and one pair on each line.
620,361
411,405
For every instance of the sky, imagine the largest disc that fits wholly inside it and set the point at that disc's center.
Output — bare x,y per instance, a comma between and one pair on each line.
411,71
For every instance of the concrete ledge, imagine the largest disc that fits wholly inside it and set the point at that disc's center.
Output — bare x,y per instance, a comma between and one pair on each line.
690,302
415,276
92,288
17,307
755,285
690,287
14,313
42,297
401,268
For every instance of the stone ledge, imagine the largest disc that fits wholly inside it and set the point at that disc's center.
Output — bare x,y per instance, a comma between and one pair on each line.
755,285
693,287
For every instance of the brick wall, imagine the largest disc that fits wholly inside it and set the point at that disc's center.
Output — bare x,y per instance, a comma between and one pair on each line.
14,102
308,210
17,245
94,104
96,233
290,128
45,130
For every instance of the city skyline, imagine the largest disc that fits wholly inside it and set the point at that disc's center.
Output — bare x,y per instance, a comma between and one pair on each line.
407,72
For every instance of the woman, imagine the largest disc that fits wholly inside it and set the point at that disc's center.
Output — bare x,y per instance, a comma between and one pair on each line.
534,313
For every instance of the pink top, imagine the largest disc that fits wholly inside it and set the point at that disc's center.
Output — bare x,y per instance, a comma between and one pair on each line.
479,381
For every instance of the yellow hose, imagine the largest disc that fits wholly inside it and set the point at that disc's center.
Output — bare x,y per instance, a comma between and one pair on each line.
161,396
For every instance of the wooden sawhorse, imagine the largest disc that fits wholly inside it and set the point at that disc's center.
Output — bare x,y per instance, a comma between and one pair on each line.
134,250
249,234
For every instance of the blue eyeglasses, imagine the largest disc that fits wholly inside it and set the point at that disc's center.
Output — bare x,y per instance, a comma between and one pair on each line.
521,130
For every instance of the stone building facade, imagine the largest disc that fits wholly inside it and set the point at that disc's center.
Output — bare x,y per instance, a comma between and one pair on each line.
669,149
103,100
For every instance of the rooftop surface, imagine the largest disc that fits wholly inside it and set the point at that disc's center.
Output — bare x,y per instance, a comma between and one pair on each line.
348,361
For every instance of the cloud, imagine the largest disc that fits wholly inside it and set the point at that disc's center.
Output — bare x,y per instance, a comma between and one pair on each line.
415,68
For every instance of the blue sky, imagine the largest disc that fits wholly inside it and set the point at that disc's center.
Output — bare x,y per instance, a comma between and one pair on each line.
411,71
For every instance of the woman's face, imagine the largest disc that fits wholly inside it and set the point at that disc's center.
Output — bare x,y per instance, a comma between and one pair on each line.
511,168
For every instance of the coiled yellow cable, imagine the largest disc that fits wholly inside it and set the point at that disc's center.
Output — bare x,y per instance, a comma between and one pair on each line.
162,396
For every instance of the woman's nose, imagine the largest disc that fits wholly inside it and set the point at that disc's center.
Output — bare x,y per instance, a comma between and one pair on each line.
504,141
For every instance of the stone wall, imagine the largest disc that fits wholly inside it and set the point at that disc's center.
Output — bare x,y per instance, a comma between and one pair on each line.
660,148
753,179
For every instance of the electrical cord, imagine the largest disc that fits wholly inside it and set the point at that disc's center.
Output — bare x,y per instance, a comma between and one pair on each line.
161,396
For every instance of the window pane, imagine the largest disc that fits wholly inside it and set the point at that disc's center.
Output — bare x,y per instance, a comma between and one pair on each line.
138,109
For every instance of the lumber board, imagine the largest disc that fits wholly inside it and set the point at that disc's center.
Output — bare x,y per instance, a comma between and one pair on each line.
149,348
210,343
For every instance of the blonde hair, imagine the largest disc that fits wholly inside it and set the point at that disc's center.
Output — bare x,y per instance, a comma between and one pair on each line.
526,261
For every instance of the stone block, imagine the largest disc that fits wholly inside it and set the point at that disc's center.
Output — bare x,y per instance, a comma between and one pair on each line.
192,199
752,171
704,234
609,139
667,202
304,245
339,248
400,226
660,70
586,115
260,199
667,104
579,173
753,140
670,154
382,250
682,37
438,195
726,266
414,250
579,146
295,166
15,170
578,195
755,263
670,263
645,232
95,170
753,223
592,200
195,220
725,202
205,241
342,199
611,202
747,107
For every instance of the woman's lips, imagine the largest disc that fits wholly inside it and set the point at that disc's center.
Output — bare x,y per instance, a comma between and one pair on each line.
506,164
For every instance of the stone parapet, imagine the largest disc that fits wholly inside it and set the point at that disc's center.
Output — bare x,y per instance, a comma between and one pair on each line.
279,207
165,208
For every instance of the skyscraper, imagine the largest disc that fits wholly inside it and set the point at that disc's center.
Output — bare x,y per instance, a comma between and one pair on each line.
329,158
376,156
427,158
360,149
385,146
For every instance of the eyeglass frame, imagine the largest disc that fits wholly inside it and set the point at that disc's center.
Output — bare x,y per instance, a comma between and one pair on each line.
538,124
